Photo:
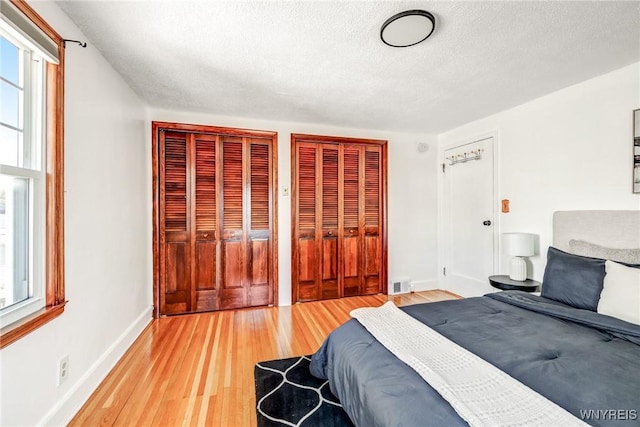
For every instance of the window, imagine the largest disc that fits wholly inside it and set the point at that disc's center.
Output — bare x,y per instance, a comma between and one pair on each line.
31,220
21,180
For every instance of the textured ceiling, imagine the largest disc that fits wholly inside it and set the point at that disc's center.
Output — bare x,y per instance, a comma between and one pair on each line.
323,62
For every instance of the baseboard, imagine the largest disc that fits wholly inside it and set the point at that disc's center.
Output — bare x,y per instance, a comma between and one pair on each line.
66,408
425,285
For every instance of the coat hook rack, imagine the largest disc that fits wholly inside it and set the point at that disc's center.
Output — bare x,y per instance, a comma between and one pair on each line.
465,157
64,42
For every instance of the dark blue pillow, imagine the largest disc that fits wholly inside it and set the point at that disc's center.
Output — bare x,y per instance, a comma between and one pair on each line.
573,280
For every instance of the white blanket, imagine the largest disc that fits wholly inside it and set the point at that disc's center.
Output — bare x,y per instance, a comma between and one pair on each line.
479,392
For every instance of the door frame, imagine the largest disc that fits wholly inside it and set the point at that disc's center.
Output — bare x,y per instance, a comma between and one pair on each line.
156,126
301,137
442,249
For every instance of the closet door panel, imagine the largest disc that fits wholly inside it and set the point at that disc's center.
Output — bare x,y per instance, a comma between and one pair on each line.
307,260
259,266
372,265
329,280
259,239
206,266
350,264
206,292
372,219
330,287
232,238
307,269
306,251
174,225
258,276
176,294
204,217
351,221
233,292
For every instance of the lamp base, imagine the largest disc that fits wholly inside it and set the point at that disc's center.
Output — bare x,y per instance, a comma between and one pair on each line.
518,269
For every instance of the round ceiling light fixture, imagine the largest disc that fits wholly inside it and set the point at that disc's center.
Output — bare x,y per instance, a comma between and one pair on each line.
407,28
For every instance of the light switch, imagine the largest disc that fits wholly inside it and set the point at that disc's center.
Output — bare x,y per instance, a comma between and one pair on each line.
505,205
285,191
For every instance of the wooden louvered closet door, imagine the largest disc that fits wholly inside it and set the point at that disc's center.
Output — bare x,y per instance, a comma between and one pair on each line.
204,220
338,247
373,244
329,221
213,246
176,248
246,278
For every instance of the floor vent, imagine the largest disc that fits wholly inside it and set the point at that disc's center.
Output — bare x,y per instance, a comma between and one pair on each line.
400,285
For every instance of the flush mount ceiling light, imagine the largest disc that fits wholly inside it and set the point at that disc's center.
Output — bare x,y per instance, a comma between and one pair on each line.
407,28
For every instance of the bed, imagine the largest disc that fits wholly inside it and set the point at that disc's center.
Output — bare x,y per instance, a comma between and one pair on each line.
559,344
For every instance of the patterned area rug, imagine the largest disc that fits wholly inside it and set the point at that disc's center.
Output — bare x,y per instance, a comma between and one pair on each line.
288,395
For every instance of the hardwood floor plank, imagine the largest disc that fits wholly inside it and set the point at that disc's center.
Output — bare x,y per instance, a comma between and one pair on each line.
198,369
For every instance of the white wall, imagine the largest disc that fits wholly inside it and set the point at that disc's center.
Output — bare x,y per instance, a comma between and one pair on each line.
569,150
107,244
412,227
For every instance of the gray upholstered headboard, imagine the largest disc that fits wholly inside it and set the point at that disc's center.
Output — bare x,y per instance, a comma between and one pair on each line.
612,229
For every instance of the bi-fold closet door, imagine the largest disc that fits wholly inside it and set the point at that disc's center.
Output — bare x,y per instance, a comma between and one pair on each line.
214,218
339,247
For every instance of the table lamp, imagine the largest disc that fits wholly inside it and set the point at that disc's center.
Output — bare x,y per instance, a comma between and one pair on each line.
518,245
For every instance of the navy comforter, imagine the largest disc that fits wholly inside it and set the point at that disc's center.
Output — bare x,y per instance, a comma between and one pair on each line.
587,363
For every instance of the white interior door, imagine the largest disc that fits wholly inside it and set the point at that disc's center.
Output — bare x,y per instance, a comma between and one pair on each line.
469,223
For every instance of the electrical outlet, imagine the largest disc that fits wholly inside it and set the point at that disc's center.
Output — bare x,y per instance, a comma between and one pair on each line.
285,190
63,369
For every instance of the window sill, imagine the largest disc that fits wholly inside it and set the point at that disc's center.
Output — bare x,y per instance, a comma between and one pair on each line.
17,330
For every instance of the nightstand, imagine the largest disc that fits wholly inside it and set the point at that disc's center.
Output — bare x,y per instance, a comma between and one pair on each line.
506,284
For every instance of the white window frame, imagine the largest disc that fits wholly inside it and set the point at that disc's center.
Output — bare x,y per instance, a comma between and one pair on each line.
30,166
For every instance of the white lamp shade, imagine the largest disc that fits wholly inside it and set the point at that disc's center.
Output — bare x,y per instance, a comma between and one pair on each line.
517,244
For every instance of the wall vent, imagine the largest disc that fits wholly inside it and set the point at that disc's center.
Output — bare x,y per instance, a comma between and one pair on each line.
399,285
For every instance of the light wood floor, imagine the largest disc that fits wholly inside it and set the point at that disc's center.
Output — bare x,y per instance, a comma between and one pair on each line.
198,369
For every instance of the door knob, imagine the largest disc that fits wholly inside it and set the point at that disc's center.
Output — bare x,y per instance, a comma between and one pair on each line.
487,223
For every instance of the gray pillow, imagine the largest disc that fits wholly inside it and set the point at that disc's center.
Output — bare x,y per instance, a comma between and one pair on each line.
573,280
628,256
